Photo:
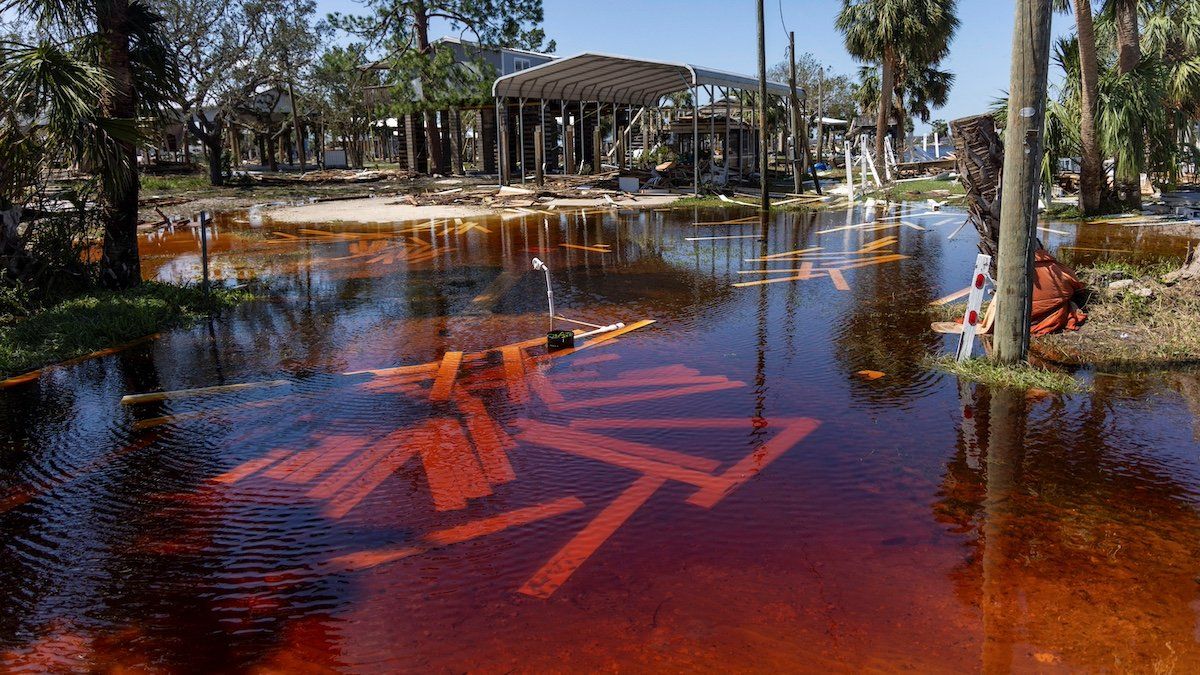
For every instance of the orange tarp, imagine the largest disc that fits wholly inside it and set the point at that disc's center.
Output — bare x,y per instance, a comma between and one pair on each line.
1054,284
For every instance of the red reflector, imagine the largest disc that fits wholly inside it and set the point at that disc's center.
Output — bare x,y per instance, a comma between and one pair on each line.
973,317
978,281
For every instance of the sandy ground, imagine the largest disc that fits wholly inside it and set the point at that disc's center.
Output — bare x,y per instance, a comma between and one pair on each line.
386,210
369,211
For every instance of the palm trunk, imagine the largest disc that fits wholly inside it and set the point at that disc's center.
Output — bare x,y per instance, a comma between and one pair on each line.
1129,50
1091,169
120,266
886,85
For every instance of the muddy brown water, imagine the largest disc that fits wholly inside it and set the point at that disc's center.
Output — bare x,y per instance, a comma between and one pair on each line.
719,490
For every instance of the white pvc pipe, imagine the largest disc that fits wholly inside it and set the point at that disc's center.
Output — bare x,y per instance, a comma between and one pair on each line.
605,329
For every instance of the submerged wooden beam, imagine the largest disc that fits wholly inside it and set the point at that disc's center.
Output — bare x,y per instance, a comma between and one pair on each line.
459,533
152,397
570,557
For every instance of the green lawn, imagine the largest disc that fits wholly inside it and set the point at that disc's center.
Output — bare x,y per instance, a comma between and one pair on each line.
100,319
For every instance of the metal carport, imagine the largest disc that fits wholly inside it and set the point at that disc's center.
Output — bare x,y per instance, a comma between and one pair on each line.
606,78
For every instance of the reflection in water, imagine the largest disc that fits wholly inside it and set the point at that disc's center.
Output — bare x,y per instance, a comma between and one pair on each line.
1083,550
717,487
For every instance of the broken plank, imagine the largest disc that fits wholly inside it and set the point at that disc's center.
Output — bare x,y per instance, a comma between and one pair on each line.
570,557
447,373
593,249
946,299
459,533
728,236
133,399
872,261
839,281
619,399
753,463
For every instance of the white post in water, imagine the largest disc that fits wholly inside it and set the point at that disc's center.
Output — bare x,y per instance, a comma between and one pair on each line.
971,318
937,145
204,249
849,171
539,265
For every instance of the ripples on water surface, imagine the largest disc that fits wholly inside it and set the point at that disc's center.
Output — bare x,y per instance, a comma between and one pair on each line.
718,489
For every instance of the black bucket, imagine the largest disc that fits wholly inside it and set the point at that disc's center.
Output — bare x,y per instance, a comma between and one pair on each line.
560,339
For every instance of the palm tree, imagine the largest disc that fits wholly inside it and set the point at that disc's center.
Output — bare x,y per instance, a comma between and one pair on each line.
895,32
1091,168
1124,16
120,44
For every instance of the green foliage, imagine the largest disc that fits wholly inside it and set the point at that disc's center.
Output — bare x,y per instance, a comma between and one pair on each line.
401,29
101,319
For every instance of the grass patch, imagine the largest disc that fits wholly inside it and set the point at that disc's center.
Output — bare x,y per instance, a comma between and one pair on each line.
1126,330
175,182
703,202
922,189
1022,376
99,319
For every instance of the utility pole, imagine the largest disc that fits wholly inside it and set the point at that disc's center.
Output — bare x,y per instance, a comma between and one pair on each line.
762,107
797,165
1022,170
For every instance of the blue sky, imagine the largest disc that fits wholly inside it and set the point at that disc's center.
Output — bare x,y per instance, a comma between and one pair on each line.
722,33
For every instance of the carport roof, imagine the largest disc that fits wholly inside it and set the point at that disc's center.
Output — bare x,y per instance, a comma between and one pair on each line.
619,79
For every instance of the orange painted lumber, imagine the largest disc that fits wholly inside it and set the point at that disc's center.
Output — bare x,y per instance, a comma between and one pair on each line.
289,465
750,465
946,299
788,254
676,370
503,521
359,464
739,221
839,281
629,382
619,399
569,558
514,374
451,468
460,533
347,499
328,453
869,262
542,386
584,444
491,442
593,249
446,374
133,399
664,423
612,334
879,243
804,276
251,467
400,370
642,450
598,358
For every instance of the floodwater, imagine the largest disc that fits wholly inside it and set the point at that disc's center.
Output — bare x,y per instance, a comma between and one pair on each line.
765,478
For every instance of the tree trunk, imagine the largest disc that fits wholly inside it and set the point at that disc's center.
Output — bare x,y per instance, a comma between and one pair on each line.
211,134
1129,50
120,267
980,162
886,85
433,140
1091,168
